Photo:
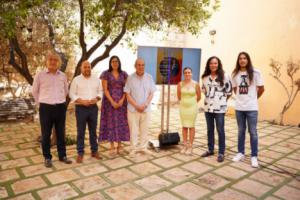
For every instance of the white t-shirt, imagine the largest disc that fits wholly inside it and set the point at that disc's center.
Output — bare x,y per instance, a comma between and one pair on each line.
215,94
246,93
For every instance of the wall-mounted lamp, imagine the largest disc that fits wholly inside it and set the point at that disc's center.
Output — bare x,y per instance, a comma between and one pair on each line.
212,34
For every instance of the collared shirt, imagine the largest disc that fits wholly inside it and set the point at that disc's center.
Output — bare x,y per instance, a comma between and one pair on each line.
85,88
50,88
216,95
139,88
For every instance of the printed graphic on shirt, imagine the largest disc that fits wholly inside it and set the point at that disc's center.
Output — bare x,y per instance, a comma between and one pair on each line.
216,95
246,97
243,87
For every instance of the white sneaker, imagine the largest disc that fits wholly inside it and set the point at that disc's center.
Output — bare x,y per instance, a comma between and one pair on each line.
238,157
254,162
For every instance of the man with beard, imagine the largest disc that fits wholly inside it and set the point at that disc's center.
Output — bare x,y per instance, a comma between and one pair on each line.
85,91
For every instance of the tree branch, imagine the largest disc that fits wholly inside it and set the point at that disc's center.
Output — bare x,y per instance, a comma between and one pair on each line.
282,84
87,54
81,40
292,100
23,69
96,46
292,86
112,45
81,33
52,41
105,36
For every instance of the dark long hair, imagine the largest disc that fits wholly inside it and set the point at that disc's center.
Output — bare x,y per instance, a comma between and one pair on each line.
110,67
220,71
249,66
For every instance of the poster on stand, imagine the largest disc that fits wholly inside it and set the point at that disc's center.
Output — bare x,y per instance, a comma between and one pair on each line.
166,64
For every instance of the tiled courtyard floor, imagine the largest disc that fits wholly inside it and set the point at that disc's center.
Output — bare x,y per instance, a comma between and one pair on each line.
166,175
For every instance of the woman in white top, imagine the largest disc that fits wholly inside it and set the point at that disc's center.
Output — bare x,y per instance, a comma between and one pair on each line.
217,89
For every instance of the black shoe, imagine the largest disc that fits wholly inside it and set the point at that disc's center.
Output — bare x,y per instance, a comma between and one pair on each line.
207,153
220,158
48,163
65,160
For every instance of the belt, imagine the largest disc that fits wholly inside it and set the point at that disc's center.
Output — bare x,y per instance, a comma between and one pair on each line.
81,106
57,104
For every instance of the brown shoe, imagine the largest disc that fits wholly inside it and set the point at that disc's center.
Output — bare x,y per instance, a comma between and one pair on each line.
96,155
79,159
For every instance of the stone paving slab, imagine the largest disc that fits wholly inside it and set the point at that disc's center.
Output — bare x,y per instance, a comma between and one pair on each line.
29,184
166,175
90,184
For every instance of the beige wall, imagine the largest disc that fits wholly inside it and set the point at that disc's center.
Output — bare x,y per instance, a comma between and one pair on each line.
263,28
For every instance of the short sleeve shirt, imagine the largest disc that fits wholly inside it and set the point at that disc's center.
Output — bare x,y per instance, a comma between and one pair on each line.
246,92
216,95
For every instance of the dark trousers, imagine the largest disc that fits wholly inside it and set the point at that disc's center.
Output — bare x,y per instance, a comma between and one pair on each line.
53,115
211,118
86,115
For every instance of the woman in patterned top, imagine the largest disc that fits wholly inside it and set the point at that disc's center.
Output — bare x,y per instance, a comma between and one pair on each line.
113,122
217,89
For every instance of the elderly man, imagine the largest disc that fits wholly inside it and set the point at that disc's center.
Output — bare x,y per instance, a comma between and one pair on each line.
49,90
139,90
85,91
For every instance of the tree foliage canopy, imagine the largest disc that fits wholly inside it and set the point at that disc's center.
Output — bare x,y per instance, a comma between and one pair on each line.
29,29
67,24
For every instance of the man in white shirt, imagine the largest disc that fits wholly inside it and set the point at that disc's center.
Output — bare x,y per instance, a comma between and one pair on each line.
85,91
139,90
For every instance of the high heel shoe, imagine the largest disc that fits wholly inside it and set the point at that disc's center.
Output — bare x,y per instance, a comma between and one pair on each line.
120,150
112,152
189,151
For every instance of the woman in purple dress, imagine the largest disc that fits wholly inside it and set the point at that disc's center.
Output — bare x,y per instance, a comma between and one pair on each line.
113,121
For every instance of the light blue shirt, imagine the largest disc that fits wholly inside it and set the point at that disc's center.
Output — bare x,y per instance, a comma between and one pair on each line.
139,88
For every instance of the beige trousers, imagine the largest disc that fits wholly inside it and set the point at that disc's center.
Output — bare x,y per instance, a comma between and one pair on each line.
138,125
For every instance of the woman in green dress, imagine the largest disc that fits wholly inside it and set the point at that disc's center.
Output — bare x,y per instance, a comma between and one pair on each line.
188,92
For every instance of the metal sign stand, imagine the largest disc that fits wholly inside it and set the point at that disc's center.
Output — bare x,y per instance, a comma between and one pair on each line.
155,143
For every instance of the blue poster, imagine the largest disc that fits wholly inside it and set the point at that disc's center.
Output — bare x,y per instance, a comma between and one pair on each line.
166,64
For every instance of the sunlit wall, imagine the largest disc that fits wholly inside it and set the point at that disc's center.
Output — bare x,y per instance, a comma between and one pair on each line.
265,29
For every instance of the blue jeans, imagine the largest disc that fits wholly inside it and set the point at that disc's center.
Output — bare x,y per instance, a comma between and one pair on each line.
89,116
211,118
249,117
